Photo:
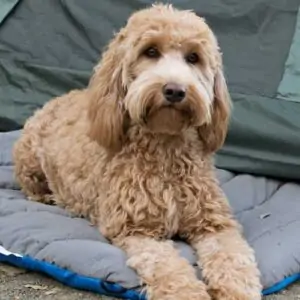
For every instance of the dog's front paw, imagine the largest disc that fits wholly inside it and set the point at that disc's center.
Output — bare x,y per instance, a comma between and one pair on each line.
240,286
229,267
234,291
190,290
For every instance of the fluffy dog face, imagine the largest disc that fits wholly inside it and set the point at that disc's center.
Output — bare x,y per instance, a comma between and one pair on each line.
170,86
163,71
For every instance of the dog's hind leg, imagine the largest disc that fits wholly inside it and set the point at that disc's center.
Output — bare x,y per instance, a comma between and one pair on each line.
166,275
28,171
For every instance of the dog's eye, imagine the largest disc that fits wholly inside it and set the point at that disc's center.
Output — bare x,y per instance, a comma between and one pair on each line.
192,58
152,52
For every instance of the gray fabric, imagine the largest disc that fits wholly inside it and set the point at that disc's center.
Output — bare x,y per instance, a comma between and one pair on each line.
289,87
6,7
268,209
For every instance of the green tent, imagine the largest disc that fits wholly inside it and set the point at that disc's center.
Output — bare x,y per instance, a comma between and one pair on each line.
50,47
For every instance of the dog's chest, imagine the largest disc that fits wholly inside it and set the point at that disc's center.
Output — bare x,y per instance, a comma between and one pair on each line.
156,191
172,188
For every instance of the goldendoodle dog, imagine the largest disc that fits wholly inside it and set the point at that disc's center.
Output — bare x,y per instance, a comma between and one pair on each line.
133,153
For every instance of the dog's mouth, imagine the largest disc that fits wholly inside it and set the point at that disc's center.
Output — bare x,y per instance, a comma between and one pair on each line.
167,118
152,109
169,110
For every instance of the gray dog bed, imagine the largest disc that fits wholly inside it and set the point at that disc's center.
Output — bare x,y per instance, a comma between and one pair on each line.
47,239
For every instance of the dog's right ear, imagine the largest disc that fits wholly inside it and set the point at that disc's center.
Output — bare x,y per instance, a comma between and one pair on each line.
106,92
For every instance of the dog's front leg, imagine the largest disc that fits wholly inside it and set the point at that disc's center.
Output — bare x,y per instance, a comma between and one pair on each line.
228,263
228,266
167,276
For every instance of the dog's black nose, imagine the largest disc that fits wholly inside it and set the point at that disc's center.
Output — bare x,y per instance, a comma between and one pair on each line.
174,92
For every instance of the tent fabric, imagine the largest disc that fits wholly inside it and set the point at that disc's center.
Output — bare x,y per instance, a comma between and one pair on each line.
289,88
48,239
6,7
259,40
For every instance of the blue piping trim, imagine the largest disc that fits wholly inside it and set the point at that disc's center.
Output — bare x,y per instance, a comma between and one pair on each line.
277,287
99,286
72,279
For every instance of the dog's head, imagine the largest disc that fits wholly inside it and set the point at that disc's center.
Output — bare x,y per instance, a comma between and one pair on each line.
163,70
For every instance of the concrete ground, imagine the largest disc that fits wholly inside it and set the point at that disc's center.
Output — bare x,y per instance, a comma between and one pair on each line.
17,284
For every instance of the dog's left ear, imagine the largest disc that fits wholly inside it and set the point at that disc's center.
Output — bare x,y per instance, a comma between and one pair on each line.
214,133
